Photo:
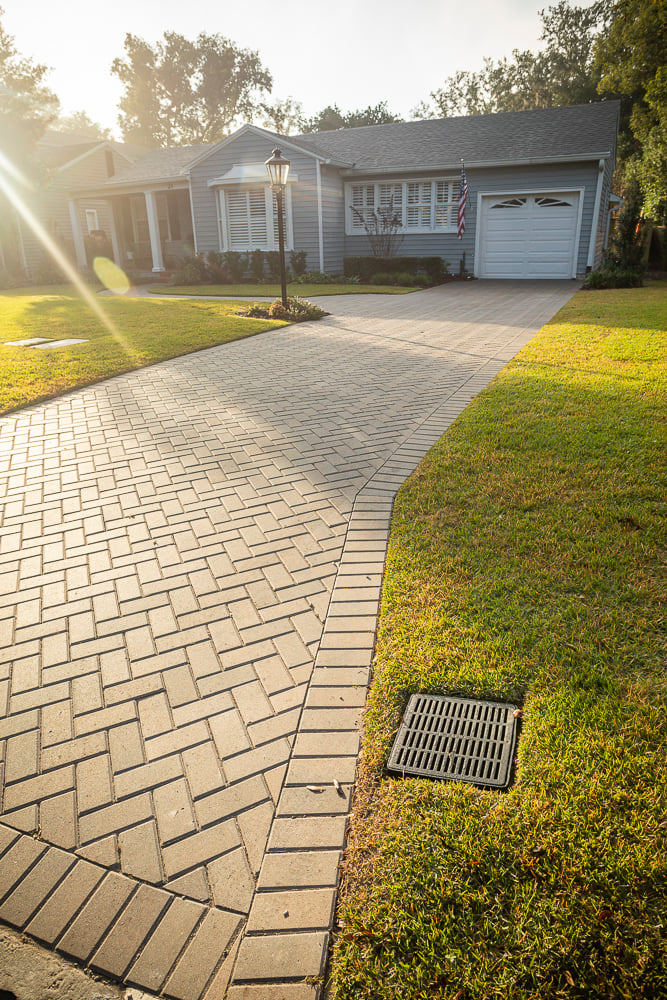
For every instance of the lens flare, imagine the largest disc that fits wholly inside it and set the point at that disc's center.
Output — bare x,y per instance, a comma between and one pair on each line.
7,171
111,276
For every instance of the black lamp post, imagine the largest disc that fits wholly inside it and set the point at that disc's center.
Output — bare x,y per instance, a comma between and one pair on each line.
278,168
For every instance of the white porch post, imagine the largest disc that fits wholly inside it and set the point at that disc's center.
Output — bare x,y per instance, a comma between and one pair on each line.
114,236
154,231
77,235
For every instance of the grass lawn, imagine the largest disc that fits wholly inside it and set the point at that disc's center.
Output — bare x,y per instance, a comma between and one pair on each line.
144,331
526,563
303,291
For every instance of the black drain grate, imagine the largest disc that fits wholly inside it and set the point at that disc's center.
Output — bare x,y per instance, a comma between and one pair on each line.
456,739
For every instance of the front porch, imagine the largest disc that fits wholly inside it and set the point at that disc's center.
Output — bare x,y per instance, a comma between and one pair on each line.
151,231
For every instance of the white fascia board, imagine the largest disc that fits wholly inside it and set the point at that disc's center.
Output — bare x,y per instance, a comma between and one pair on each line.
241,176
473,165
133,187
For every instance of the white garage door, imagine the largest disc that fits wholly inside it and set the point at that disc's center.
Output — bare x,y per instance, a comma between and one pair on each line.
528,236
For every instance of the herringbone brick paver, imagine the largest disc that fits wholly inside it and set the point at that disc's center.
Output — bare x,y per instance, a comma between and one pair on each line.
190,567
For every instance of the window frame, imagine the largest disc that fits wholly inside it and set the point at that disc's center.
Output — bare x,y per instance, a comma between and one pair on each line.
354,227
88,212
271,232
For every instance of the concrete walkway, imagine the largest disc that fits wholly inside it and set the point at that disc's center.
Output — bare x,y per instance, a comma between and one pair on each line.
190,568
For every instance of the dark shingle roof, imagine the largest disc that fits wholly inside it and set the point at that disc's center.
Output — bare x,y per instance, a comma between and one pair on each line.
160,164
514,135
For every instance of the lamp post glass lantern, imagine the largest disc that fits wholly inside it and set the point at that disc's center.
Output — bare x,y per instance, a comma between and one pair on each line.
278,169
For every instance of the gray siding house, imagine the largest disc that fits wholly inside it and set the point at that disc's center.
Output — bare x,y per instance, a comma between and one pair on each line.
539,186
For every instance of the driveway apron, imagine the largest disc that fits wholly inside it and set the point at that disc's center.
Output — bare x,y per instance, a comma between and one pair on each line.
190,568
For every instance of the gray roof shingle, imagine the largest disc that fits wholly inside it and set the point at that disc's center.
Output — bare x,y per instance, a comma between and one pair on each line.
514,135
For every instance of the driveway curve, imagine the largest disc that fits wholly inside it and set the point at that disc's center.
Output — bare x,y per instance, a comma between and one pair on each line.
190,568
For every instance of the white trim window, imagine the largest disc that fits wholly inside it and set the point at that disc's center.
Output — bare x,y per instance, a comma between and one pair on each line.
248,218
91,220
424,205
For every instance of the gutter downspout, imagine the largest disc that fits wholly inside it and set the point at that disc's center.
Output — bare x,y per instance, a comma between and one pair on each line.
320,223
590,263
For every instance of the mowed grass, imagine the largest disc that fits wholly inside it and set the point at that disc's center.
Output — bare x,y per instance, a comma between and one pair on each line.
143,331
526,564
303,291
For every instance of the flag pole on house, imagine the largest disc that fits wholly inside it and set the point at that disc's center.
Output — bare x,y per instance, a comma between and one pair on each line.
463,198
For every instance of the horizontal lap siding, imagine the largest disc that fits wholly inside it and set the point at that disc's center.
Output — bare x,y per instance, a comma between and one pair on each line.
251,148
556,177
333,217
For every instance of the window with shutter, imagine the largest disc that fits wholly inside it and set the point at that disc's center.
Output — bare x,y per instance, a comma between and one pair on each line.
424,206
247,220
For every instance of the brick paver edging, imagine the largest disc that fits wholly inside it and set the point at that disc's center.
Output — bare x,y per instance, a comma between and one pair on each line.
289,925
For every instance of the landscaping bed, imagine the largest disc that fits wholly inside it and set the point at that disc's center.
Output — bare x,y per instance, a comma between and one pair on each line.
526,564
270,290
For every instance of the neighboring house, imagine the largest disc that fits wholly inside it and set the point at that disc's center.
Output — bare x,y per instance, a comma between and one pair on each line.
70,160
539,193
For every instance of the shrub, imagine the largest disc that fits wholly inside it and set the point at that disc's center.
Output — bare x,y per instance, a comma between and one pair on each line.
381,278
278,311
216,267
236,264
193,272
297,261
272,258
610,276
421,280
365,267
8,280
302,309
258,310
256,265
312,278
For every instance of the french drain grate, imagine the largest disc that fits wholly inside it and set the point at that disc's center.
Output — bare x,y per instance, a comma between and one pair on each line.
456,739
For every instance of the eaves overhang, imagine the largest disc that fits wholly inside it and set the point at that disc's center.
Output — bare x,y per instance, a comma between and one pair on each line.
455,165
137,186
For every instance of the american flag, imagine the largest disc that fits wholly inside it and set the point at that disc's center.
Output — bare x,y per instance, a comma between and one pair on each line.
461,225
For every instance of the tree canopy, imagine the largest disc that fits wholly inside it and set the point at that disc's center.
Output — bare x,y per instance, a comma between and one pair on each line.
564,71
332,117
179,92
631,58
27,106
81,122
284,116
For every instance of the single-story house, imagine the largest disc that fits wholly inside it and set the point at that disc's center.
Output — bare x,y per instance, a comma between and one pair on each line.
539,189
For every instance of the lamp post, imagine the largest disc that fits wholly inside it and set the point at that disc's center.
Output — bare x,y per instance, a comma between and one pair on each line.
278,168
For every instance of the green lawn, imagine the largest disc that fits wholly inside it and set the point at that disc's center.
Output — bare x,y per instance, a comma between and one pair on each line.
526,563
303,291
143,332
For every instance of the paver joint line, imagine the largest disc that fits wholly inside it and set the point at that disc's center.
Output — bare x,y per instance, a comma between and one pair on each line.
193,558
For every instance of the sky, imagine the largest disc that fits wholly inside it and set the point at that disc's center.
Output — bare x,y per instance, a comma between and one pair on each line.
353,53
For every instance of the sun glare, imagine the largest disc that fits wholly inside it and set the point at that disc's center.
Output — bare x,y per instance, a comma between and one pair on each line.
112,278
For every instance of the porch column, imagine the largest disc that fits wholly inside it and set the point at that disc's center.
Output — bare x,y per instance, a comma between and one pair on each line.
115,246
154,231
77,235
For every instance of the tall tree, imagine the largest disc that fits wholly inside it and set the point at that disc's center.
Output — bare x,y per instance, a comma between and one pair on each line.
180,92
332,117
562,72
284,116
27,106
632,60
81,122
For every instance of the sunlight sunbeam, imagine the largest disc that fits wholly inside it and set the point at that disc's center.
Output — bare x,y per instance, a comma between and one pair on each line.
7,171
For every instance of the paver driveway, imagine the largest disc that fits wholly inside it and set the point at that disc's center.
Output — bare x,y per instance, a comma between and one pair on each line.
191,558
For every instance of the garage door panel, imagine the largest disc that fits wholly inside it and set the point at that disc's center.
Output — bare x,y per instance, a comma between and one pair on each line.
526,236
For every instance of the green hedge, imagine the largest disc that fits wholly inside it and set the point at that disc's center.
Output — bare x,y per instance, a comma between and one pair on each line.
365,267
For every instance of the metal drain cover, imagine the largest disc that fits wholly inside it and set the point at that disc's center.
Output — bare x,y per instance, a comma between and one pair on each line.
456,739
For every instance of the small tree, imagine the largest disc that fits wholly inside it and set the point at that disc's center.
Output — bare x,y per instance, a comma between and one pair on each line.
627,243
383,228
